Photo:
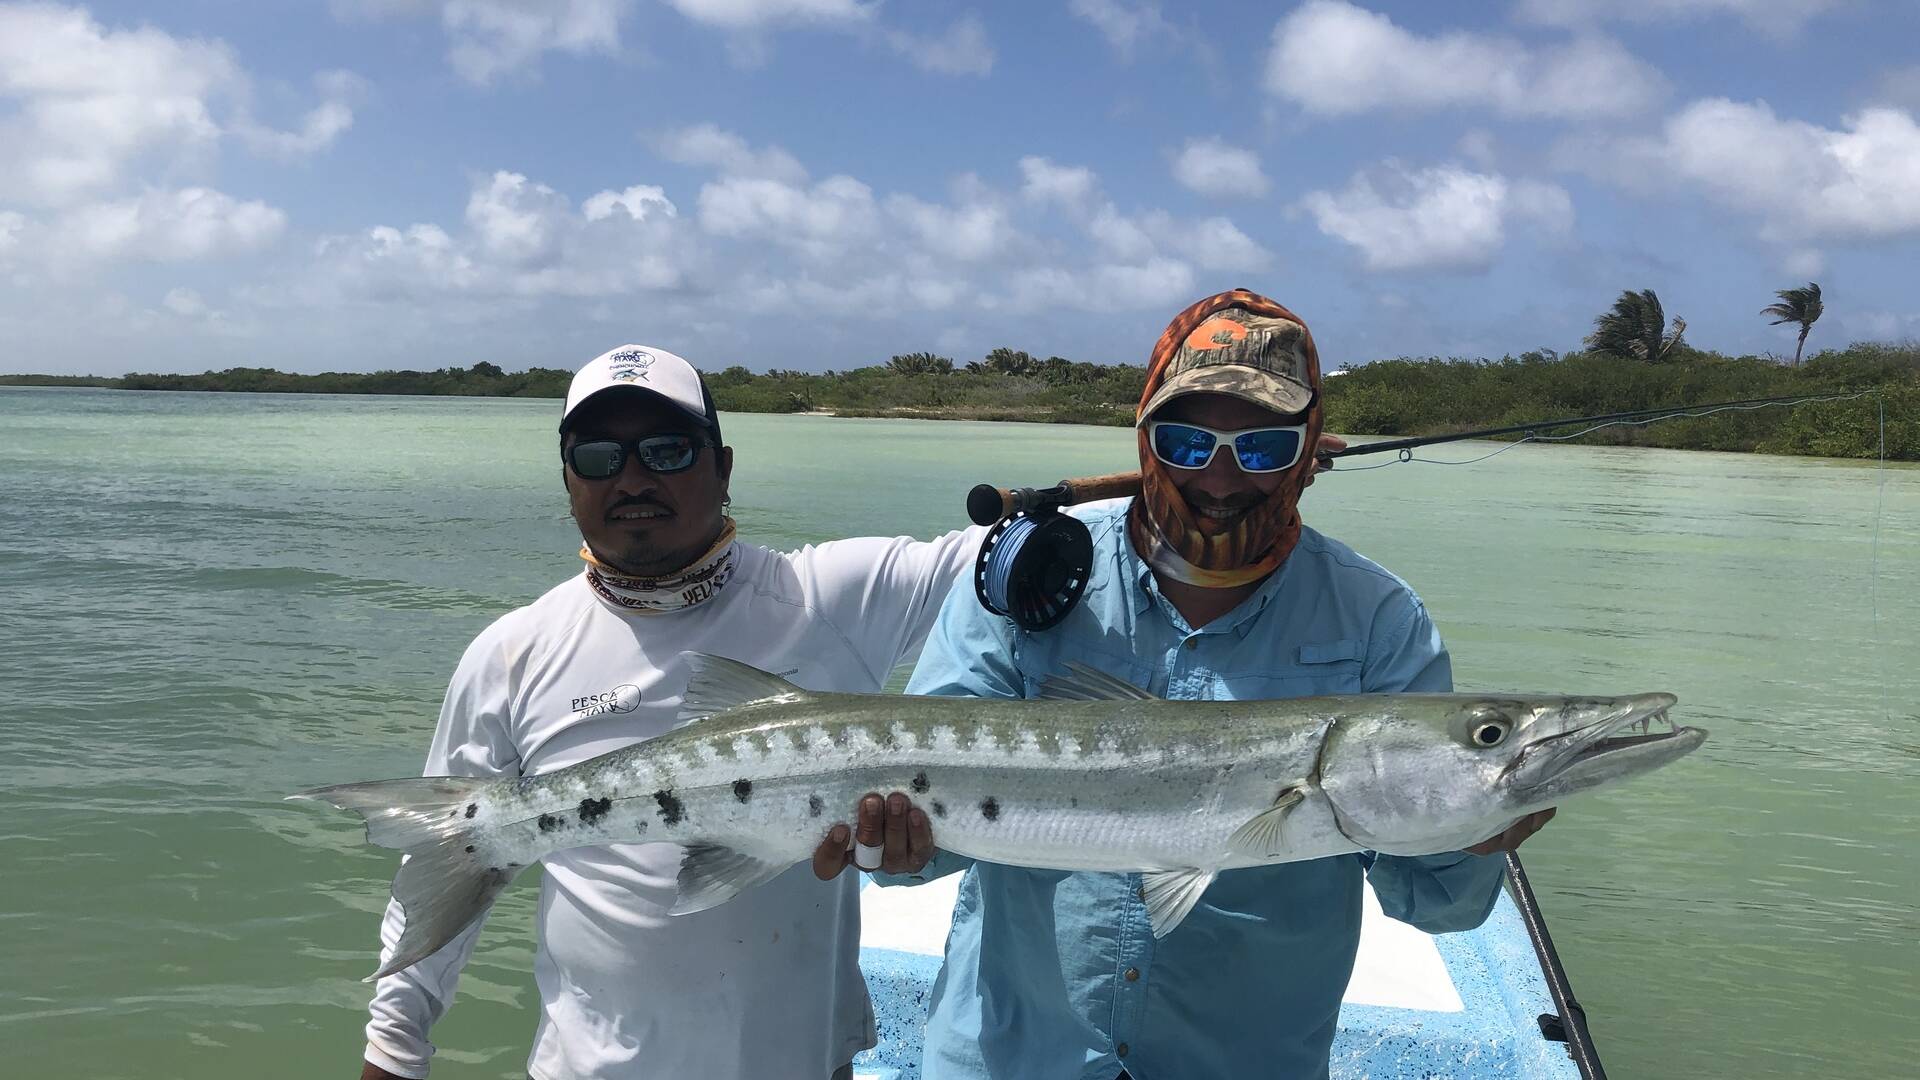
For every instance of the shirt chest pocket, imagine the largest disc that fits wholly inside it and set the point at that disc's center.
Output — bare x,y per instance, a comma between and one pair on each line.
1313,669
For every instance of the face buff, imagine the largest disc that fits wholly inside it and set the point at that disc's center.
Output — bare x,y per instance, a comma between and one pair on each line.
1204,345
698,583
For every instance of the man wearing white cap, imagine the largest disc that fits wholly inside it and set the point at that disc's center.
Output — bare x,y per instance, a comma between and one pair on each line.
769,984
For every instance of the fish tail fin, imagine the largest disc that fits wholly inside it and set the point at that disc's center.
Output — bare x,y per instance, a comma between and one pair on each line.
445,881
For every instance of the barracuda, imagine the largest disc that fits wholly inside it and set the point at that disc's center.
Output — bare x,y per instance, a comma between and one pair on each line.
1094,775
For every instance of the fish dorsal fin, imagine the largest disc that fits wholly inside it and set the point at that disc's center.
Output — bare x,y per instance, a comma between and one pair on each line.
1262,836
1089,684
711,874
1170,894
720,685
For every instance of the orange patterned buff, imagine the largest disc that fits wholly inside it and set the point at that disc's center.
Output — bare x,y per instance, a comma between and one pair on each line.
1243,344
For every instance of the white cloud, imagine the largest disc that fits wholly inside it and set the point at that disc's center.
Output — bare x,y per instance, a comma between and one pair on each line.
1439,218
89,101
754,14
1215,168
516,219
1478,146
83,106
1124,23
1105,288
1047,182
1211,244
166,226
492,38
1777,17
641,202
1333,58
523,241
1804,262
970,232
13,226
962,50
707,145
184,302
822,219
1806,183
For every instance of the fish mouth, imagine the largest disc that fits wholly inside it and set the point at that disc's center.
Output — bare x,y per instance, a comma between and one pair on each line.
1635,737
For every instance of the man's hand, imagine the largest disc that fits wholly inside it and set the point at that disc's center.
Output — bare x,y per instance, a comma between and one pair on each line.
370,1071
1510,840
1327,442
894,826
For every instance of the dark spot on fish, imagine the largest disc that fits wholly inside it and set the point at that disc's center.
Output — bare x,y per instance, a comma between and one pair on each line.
670,809
473,808
939,808
743,790
550,822
469,849
920,784
453,813
815,805
592,810
1073,801
990,808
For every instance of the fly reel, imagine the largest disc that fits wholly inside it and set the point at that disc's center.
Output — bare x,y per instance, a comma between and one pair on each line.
1033,567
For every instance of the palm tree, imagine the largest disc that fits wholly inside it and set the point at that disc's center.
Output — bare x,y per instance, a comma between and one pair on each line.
1636,328
1005,361
920,363
1801,306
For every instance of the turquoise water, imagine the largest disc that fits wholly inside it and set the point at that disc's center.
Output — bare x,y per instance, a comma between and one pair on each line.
208,601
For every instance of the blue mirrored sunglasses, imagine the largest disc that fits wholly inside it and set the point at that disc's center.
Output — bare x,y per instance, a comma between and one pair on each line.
1257,450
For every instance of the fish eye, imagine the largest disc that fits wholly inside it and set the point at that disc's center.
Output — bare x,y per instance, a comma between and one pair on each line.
1489,732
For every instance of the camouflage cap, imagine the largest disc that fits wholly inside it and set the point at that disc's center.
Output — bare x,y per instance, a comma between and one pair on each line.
1257,358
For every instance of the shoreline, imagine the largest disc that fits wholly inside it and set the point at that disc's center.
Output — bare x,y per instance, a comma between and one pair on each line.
1040,415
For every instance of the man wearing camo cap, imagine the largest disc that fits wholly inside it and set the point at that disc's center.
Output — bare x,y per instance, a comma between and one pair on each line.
1207,587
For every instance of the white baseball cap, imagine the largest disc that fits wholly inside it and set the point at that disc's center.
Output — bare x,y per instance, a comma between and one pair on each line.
643,367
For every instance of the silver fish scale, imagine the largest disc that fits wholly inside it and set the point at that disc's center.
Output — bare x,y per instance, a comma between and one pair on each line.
771,780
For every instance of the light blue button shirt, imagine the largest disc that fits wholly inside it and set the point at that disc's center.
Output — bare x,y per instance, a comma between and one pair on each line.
1055,975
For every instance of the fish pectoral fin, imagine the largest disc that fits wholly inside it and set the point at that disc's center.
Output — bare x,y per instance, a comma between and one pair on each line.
1170,894
719,685
1089,684
1262,836
712,874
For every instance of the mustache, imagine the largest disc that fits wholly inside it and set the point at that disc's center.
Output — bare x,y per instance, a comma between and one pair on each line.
641,501
1232,504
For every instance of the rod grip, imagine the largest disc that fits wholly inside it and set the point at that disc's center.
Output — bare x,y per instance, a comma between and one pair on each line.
1093,488
987,504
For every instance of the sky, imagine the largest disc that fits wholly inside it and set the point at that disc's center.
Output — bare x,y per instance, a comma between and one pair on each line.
812,184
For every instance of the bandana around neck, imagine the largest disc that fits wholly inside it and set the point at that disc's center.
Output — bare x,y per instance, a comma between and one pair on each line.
1162,526
697,583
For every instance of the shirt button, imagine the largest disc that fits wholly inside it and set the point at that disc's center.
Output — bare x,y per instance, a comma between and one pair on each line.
1121,1049
1193,642
1133,974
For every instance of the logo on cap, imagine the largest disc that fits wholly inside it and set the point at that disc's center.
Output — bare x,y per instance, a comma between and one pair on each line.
629,366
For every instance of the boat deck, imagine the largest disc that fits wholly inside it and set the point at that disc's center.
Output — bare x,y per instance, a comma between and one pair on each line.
1418,1006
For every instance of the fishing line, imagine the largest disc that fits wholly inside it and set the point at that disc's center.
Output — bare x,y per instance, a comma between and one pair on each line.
1405,456
1873,575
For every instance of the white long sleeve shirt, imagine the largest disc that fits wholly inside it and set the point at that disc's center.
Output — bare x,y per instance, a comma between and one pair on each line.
766,985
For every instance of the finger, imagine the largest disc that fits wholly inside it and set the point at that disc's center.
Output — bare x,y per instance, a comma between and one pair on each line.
895,857
831,856
919,840
869,833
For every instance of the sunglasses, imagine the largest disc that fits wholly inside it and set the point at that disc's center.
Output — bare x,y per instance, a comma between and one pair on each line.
1257,450
601,459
